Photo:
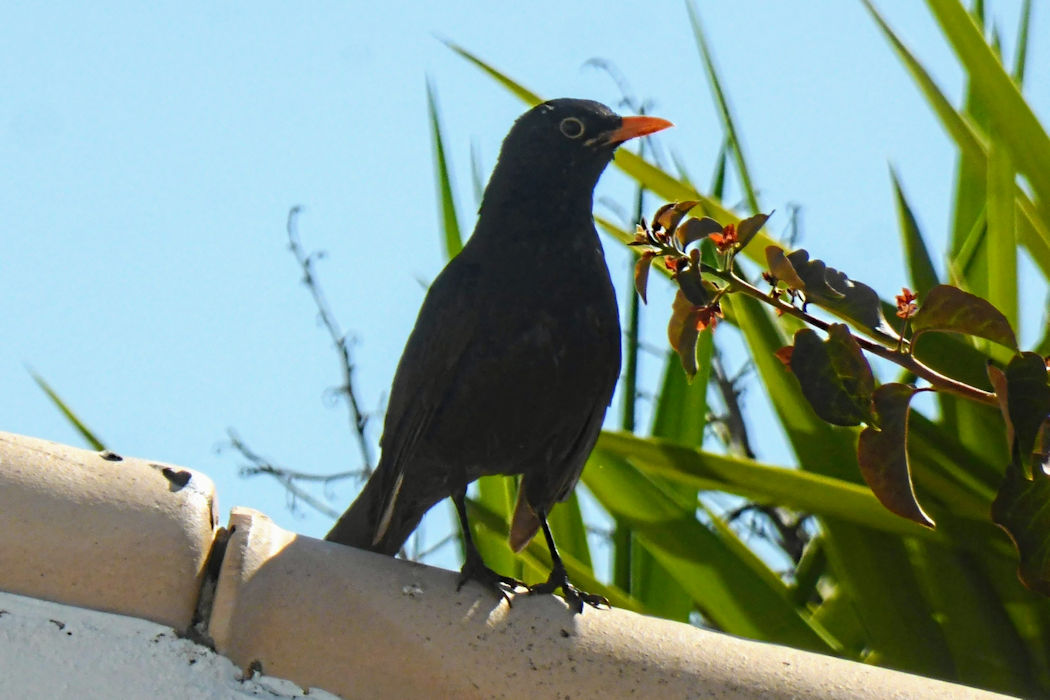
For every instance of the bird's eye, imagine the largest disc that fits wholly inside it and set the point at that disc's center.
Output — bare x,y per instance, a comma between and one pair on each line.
571,127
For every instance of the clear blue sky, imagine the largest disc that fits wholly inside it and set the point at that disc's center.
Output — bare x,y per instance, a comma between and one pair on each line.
149,153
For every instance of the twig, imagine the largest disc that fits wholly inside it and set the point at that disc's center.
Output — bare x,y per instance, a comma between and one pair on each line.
358,419
287,477
734,419
937,380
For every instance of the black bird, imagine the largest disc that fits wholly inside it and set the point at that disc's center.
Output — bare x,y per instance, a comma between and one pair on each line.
516,350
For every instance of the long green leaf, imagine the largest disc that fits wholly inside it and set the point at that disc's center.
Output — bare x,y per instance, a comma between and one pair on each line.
86,433
1021,49
524,94
449,221
763,483
724,112
537,557
739,595
1023,137
497,494
1002,242
920,265
645,174
866,562
1034,233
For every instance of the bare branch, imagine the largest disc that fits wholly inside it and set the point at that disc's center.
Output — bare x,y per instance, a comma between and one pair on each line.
733,420
358,419
286,477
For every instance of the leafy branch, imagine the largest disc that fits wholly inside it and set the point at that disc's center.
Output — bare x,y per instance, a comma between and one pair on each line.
834,374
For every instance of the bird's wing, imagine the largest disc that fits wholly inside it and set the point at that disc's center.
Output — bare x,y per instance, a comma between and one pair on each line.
428,367
540,490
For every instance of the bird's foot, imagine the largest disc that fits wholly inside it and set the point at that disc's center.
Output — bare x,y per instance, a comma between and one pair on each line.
573,595
475,570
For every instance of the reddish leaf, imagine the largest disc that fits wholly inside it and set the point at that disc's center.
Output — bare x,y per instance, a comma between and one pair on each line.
784,355
695,229
682,332
883,457
726,239
749,228
641,273
834,375
950,309
906,303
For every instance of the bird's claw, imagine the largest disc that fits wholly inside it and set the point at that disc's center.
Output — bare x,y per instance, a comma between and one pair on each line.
573,596
475,570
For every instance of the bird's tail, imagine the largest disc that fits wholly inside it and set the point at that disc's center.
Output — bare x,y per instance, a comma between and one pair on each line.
381,517
525,523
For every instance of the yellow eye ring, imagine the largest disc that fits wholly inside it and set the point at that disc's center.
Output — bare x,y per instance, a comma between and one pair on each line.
571,127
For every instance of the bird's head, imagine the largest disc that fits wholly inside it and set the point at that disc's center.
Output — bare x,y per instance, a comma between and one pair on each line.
563,145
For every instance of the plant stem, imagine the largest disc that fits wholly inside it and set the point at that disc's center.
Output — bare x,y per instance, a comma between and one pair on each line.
903,359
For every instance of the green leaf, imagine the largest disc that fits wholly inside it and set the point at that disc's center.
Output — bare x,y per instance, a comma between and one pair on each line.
920,265
1028,406
883,456
537,557
950,309
1012,119
1001,238
524,94
681,408
1020,508
1021,46
732,587
85,432
834,375
723,109
807,492
449,220
570,532
498,494
1034,232
865,562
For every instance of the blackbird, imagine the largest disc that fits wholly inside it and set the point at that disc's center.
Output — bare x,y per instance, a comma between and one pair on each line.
516,350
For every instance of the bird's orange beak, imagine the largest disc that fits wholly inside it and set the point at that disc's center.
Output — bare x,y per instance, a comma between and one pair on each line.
632,127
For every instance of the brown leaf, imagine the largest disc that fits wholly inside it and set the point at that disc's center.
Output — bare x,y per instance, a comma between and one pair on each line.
695,229
641,273
682,332
834,375
749,228
950,309
668,216
883,456
782,269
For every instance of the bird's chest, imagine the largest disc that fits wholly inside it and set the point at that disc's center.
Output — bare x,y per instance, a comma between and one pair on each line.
558,314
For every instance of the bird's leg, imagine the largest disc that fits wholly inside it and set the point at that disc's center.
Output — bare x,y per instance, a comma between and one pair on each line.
559,578
474,568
